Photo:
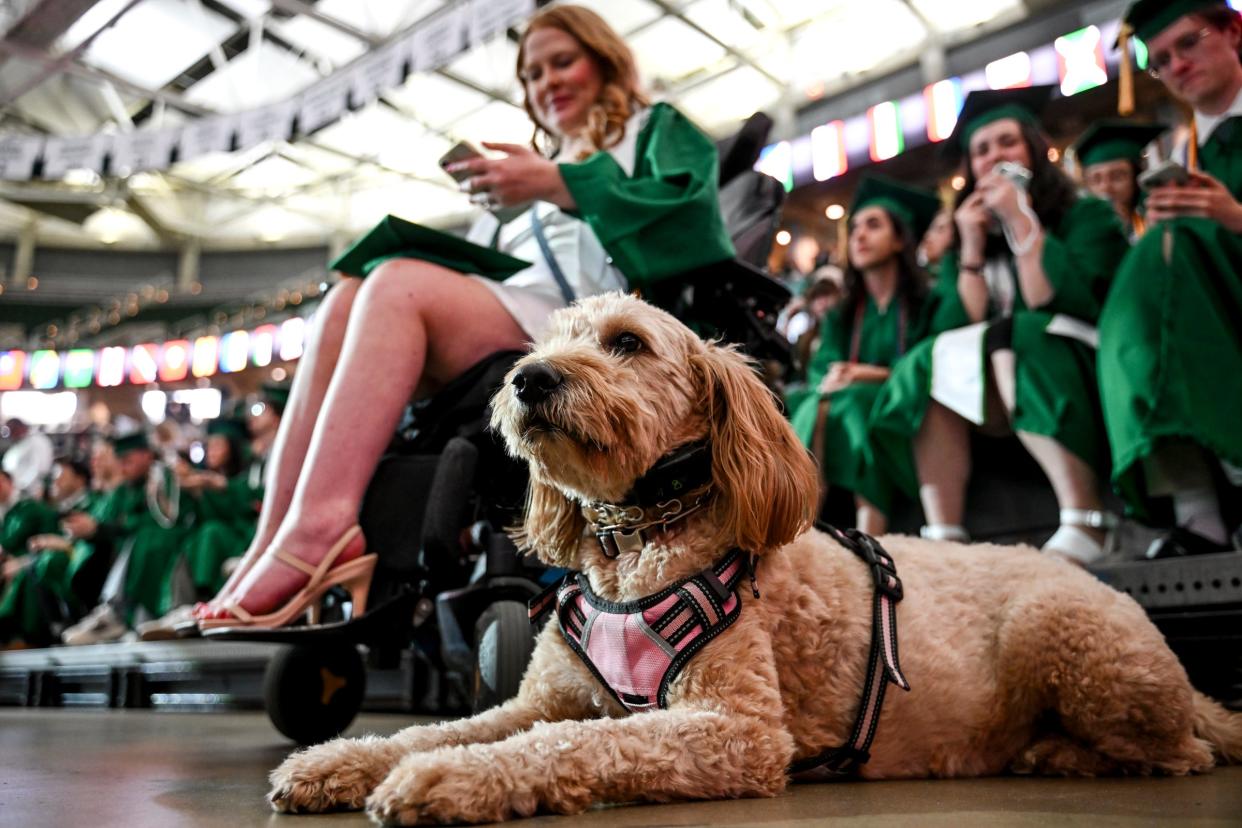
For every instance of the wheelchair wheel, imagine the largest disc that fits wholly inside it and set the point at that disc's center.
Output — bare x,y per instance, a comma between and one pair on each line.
503,642
313,693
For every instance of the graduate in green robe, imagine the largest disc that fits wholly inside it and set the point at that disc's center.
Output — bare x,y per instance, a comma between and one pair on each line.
883,314
1171,331
21,519
1014,349
222,504
145,520
62,574
625,194
1110,158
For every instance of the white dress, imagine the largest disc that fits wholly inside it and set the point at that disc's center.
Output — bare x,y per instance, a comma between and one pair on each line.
532,294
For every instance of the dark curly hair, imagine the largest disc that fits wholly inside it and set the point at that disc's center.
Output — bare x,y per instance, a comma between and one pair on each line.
912,280
1052,191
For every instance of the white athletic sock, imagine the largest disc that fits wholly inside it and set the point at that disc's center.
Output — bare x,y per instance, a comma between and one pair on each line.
1198,510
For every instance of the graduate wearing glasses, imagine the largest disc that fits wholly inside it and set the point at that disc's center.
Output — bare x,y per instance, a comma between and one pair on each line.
1171,330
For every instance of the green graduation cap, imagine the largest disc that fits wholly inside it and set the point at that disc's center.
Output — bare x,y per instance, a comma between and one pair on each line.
229,427
393,238
1115,139
130,442
276,395
985,106
1149,18
912,206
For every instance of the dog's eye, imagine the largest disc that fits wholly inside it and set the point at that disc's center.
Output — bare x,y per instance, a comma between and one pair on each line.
626,343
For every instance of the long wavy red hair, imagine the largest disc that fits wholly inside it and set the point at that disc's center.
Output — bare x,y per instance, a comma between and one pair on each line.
620,94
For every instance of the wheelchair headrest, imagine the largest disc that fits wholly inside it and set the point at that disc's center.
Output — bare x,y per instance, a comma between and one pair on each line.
740,151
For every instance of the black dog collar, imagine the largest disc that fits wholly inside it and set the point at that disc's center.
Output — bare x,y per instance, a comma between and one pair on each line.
673,488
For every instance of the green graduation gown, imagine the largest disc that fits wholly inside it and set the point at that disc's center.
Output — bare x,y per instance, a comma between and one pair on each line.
848,460
153,536
659,221
53,576
1055,373
20,604
1171,336
224,524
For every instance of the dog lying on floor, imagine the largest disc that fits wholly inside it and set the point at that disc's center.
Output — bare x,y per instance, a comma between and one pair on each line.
1016,661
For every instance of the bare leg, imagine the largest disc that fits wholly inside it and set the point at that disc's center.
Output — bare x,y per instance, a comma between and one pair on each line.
942,454
869,519
413,322
310,383
1073,481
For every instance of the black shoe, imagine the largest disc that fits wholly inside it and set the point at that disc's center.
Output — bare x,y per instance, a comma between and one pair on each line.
1182,542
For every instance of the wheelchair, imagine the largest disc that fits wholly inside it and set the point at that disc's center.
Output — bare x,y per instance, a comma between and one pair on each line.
450,584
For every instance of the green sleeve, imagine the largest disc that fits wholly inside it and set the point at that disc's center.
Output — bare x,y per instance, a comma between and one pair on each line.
833,333
947,311
1080,257
665,218
23,521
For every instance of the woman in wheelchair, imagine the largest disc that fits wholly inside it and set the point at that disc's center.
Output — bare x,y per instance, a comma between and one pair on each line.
620,192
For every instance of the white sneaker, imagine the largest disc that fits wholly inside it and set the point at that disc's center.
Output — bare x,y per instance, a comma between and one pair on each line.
164,627
100,626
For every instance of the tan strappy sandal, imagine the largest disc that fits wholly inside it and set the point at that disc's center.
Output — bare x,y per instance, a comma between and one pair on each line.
353,575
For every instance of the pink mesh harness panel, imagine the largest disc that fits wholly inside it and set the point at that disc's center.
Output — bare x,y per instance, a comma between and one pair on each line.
637,648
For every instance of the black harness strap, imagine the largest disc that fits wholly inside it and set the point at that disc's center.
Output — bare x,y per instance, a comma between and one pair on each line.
882,665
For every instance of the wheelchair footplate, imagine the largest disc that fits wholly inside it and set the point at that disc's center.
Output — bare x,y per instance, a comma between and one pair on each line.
378,622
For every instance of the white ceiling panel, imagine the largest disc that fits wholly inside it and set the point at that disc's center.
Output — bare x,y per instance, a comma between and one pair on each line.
157,39
623,15
253,78
951,15
437,102
722,103
669,50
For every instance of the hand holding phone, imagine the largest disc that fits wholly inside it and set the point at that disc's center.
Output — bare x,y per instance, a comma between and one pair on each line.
461,151
1163,174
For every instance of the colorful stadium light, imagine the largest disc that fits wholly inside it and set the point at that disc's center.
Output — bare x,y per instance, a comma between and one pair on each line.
1080,61
776,160
292,338
828,158
206,356
44,370
144,364
111,367
234,351
262,344
79,368
1010,72
886,138
12,369
175,360
944,101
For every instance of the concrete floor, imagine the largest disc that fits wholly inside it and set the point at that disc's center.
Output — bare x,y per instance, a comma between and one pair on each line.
138,769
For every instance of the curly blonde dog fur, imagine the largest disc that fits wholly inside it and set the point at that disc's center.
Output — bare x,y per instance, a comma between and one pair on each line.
1018,662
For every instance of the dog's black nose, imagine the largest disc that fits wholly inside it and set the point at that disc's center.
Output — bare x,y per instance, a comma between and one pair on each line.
536,382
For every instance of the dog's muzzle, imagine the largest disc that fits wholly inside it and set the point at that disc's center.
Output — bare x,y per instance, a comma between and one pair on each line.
536,382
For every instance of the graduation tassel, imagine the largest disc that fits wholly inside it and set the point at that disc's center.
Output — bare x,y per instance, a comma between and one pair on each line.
1125,77
1192,148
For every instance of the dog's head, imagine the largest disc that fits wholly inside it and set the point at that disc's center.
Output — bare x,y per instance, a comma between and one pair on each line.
615,385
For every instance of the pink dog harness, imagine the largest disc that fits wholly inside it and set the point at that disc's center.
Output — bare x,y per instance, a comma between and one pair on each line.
636,648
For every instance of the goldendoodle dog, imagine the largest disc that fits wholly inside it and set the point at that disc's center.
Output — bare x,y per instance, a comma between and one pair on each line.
1015,661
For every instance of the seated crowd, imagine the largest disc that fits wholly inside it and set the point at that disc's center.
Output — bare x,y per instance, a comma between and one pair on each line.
1096,321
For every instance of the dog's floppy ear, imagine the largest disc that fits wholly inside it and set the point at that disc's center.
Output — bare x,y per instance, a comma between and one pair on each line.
767,485
553,526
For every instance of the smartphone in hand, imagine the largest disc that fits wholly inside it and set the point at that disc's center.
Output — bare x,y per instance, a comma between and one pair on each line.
461,151
1166,172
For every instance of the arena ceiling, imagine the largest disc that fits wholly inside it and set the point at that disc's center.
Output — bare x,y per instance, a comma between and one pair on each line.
75,67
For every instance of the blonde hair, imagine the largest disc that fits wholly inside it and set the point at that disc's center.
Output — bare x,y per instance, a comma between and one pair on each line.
620,94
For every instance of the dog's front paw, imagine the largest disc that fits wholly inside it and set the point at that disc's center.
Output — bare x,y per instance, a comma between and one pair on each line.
336,775
449,786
